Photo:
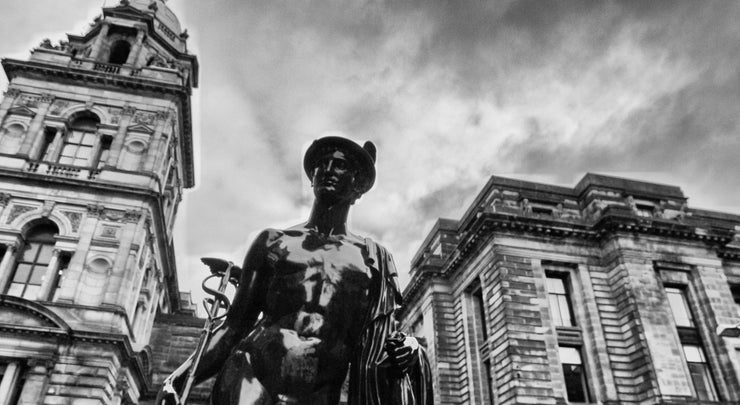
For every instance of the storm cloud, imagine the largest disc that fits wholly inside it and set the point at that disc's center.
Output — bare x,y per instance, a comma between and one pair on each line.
451,92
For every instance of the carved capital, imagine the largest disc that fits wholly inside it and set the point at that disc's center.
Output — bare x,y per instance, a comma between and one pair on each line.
4,199
95,210
46,98
12,92
128,110
132,216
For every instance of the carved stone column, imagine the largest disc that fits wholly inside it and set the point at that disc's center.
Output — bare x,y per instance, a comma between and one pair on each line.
35,136
115,148
10,379
56,146
94,53
153,152
6,266
9,98
50,277
136,51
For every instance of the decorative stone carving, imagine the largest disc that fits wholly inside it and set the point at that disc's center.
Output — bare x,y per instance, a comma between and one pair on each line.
526,207
17,211
109,232
99,211
128,110
162,115
46,209
75,218
4,199
132,216
46,98
115,114
58,106
144,117
28,100
12,92
95,210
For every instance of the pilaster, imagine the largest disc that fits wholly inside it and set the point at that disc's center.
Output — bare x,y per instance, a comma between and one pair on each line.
8,98
158,140
136,51
115,149
34,136
6,266
50,277
100,39
10,379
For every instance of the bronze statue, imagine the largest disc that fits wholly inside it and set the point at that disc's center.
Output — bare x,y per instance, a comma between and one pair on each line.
313,302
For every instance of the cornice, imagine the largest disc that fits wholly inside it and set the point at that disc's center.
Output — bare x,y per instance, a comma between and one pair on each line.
612,221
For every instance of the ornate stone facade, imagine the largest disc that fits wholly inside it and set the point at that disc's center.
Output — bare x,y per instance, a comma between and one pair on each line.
86,260
612,292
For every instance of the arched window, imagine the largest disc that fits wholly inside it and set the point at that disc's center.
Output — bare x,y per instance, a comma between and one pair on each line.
119,52
33,259
11,138
80,141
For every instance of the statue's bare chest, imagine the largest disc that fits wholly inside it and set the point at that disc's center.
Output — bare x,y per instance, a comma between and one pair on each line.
316,273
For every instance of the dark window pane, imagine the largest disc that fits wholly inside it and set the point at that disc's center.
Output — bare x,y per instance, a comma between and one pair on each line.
702,382
574,382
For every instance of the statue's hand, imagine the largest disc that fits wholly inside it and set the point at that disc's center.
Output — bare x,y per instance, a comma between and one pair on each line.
172,386
402,351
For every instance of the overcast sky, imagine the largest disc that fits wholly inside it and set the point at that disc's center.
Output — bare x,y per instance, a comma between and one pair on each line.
451,92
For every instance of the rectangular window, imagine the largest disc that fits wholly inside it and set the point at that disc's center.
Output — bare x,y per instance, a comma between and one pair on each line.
30,270
77,149
559,300
477,341
679,306
574,374
701,377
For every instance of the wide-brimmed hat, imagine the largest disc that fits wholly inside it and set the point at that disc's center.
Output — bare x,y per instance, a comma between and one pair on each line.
363,155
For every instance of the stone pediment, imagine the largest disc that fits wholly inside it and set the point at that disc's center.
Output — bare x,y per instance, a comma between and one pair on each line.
21,110
140,128
18,313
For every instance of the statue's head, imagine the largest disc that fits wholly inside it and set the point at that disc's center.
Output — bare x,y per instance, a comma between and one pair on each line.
339,168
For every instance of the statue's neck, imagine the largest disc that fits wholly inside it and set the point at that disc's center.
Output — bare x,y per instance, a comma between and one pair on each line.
329,219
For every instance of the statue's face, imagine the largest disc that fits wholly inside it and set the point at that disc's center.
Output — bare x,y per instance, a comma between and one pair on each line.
334,177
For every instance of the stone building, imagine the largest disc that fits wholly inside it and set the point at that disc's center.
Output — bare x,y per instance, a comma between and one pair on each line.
612,292
95,151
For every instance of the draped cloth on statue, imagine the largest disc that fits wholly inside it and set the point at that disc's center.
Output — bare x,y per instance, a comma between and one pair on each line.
371,382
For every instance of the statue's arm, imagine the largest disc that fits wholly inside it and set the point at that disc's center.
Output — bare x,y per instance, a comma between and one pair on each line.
248,303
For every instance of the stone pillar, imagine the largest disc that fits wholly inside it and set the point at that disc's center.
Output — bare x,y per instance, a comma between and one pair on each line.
73,274
34,136
153,152
50,277
9,98
56,146
133,56
10,379
100,39
127,114
6,266
119,282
